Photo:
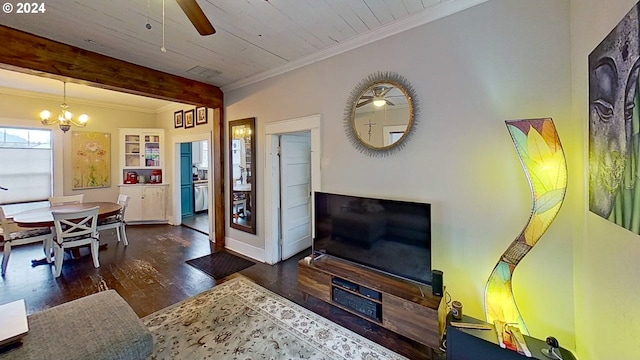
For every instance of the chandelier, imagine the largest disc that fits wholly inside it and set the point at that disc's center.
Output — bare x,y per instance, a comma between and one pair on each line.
65,118
240,132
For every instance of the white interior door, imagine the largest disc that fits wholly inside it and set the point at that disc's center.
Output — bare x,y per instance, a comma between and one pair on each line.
295,193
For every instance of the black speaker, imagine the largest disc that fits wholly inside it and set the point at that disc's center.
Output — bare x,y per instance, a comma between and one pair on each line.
436,282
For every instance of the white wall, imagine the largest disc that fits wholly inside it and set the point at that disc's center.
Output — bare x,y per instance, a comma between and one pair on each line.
504,59
607,274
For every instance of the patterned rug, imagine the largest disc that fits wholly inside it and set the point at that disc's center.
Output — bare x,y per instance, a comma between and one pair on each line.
241,320
220,264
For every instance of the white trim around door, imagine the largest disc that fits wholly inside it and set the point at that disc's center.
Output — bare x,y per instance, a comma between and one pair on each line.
309,123
175,186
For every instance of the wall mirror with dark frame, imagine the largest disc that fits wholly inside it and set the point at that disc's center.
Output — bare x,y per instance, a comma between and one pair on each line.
380,114
242,180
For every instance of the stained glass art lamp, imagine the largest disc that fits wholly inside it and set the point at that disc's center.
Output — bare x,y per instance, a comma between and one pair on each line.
544,163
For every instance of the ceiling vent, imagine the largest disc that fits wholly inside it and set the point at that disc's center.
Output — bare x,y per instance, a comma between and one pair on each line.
204,73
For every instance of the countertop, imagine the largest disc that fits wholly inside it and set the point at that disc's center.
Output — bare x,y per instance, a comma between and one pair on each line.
200,181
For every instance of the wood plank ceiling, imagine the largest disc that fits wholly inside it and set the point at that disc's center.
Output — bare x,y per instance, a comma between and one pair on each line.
253,36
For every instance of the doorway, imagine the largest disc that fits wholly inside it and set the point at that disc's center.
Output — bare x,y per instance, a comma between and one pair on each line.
192,157
292,175
194,175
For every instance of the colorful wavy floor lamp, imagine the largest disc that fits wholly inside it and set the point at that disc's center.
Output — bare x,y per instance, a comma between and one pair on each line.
544,163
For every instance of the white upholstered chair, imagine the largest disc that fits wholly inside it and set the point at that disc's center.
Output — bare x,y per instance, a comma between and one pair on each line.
13,235
117,221
63,200
74,229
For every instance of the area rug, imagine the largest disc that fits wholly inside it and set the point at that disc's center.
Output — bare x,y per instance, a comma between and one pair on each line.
241,320
220,264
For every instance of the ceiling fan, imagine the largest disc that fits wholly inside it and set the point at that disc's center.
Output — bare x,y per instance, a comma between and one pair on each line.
197,17
377,96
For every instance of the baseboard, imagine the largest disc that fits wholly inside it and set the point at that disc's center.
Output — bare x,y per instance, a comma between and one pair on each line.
245,249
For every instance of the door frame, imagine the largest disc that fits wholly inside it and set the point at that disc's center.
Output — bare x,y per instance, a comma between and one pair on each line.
311,123
176,140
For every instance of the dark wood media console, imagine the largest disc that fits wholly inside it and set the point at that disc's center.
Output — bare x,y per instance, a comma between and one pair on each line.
399,305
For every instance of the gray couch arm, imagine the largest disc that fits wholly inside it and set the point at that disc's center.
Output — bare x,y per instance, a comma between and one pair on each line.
98,326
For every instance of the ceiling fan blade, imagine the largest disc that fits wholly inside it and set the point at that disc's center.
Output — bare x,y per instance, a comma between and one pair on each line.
385,91
197,17
389,102
363,103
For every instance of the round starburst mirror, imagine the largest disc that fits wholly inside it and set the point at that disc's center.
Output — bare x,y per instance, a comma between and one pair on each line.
380,114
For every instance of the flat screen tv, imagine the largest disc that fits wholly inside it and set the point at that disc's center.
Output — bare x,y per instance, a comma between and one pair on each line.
387,235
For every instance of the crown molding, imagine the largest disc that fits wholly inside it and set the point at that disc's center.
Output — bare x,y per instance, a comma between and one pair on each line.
172,107
436,12
72,100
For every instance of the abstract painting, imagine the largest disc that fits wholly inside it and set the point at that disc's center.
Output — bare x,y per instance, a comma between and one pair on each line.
91,159
614,143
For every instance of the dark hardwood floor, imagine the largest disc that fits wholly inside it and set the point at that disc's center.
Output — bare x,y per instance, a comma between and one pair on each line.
151,274
199,222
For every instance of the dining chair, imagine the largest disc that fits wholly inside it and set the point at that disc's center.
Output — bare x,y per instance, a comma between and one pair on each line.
63,200
239,205
12,235
117,221
75,229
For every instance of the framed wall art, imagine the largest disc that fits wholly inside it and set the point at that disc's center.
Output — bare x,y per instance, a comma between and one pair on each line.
614,177
188,119
178,119
91,159
201,116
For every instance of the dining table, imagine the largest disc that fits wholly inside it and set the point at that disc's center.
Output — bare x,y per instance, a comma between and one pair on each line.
43,217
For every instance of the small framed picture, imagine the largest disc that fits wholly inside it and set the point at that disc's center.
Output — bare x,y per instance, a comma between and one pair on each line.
177,119
188,119
201,115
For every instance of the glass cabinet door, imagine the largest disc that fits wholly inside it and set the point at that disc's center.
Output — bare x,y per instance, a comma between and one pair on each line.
132,150
152,150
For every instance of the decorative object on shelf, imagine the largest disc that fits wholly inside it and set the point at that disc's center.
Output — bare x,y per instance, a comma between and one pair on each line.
456,310
380,115
553,352
544,163
201,115
91,159
65,118
614,182
178,119
188,119
242,161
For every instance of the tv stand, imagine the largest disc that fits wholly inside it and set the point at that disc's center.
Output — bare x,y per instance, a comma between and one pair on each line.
393,303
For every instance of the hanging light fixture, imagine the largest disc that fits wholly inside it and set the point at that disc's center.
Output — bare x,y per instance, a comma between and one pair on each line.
241,132
65,118
379,101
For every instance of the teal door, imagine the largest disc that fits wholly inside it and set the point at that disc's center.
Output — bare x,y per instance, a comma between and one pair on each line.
186,180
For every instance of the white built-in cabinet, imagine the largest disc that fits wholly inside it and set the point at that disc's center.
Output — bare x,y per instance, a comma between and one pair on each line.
142,150
142,153
147,203
196,153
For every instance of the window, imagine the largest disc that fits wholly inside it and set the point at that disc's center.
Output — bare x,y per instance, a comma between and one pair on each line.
27,165
204,159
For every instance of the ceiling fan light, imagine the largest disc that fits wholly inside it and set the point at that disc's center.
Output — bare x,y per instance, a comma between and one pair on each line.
379,102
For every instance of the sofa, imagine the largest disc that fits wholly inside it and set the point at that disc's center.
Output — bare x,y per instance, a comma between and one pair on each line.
100,326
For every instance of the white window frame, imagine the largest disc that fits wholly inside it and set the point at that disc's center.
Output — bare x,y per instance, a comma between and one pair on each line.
57,141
